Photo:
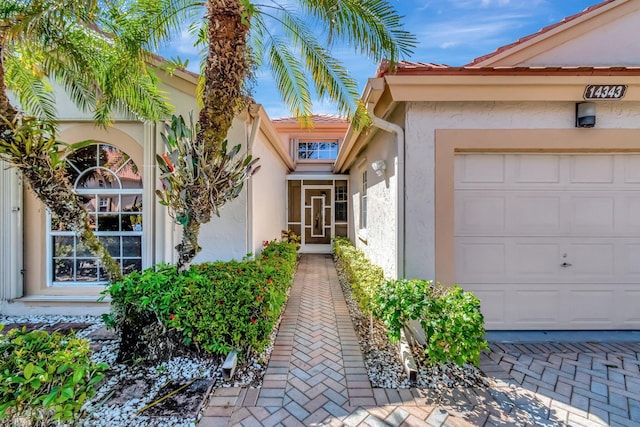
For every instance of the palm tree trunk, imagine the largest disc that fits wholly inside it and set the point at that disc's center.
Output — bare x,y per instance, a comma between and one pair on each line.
226,70
188,248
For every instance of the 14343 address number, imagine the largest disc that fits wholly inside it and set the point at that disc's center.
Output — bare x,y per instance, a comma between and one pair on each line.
592,92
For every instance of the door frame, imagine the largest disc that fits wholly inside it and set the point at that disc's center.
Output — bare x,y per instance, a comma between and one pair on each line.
317,247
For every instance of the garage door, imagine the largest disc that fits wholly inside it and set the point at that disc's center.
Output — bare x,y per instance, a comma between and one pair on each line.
550,241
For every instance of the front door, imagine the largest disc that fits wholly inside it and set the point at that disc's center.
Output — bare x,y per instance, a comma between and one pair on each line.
317,215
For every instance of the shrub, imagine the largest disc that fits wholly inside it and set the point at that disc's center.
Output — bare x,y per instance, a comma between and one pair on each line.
450,317
398,302
45,377
214,307
365,278
454,326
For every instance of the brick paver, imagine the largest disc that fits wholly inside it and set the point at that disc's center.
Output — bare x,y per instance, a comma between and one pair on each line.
316,376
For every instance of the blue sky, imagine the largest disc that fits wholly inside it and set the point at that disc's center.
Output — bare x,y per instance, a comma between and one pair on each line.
451,32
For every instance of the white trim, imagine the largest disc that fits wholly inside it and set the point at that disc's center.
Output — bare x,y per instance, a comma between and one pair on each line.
148,196
316,177
11,236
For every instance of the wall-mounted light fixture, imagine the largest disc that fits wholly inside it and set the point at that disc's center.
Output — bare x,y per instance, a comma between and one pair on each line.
379,166
585,114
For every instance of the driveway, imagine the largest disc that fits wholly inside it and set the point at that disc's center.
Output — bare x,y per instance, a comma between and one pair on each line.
568,383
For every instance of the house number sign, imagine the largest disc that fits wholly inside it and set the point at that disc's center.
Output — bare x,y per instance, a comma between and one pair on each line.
595,92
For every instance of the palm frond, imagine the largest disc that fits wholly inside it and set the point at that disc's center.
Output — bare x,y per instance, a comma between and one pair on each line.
290,78
29,85
373,27
329,76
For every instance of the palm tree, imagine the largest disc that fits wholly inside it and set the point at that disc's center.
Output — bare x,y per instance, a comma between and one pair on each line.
95,51
241,35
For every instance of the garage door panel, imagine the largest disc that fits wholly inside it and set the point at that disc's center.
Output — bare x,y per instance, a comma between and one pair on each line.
534,259
593,169
537,170
629,303
631,211
534,214
482,169
492,305
632,257
536,306
483,213
591,214
555,306
591,307
591,259
482,259
556,242
631,169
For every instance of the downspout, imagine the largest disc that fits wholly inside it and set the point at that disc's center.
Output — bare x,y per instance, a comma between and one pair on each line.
400,188
254,110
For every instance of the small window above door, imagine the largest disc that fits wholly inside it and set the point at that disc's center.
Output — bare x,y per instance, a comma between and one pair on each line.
316,151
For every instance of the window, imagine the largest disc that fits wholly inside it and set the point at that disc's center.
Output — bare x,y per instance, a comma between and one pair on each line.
110,187
363,201
340,206
320,150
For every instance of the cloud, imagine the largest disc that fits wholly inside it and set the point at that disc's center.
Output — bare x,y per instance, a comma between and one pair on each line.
183,43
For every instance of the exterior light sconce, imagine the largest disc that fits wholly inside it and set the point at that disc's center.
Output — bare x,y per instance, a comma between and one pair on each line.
379,166
585,114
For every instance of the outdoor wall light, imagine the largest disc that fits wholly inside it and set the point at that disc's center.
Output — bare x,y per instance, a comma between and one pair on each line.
379,166
585,114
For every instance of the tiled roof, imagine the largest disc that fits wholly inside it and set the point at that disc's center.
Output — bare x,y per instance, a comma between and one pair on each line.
315,118
542,31
419,68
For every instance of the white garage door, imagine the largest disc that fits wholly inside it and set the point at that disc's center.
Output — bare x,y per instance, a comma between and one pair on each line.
550,241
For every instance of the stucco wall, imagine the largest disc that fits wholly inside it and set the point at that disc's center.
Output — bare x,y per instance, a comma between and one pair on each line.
224,237
608,44
379,245
268,189
422,119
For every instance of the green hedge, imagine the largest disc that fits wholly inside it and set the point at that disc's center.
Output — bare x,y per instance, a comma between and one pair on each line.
450,316
45,377
365,278
216,306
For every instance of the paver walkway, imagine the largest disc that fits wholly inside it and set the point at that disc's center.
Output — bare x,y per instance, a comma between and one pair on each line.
316,377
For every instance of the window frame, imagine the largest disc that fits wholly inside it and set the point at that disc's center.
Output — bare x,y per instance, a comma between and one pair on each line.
298,142
363,199
98,193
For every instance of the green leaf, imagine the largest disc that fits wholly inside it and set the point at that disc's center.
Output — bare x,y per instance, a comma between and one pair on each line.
28,370
78,374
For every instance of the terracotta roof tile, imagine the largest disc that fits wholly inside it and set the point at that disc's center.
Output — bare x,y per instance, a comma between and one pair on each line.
542,31
419,68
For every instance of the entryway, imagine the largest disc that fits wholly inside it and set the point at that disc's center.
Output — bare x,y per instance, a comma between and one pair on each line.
317,210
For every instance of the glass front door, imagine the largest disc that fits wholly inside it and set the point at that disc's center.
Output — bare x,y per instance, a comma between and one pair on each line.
317,218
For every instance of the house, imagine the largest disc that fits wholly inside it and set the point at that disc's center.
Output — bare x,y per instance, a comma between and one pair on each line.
516,176
44,269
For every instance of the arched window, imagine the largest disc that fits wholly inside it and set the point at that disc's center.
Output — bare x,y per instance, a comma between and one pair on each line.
110,186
